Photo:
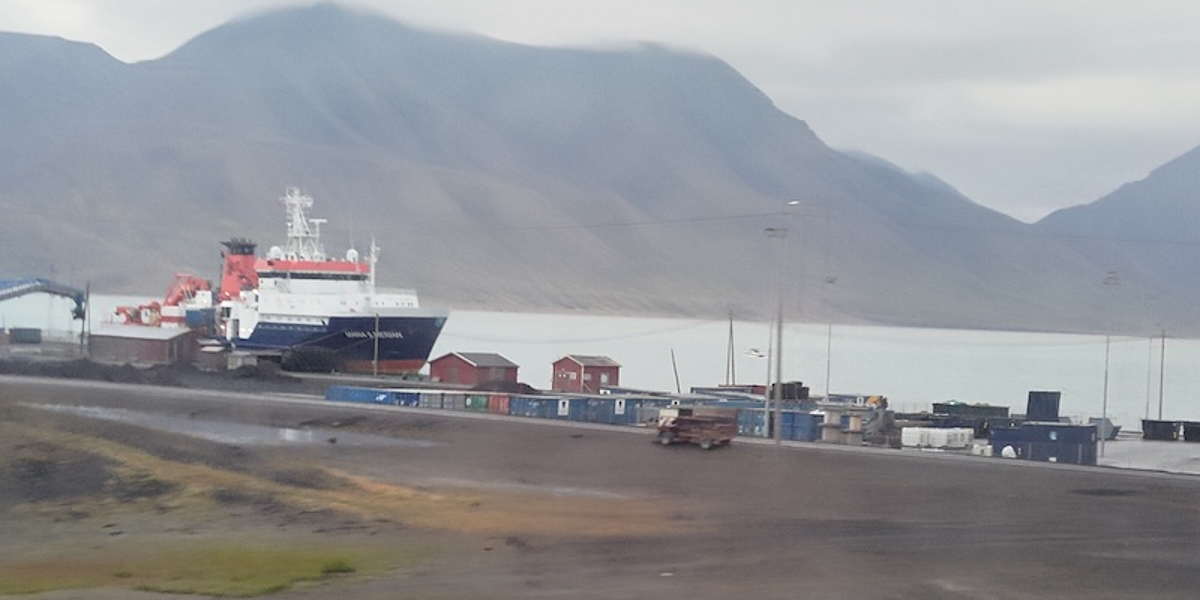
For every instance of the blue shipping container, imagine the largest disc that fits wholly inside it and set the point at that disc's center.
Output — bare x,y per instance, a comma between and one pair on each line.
1037,433
751,422
801,426
626,410
570,409
1048,442
407,398
535,407
1075,454
999,437
614,410
1043,406
345,393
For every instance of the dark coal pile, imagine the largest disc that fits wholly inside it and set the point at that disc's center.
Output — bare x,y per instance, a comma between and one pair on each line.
86,369
261,378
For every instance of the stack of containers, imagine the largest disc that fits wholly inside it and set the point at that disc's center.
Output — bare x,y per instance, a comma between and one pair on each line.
795,423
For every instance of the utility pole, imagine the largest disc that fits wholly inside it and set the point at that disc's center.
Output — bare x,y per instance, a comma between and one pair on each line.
779,233
1162,362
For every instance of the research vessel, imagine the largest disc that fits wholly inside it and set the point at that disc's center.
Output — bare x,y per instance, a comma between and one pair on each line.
320,311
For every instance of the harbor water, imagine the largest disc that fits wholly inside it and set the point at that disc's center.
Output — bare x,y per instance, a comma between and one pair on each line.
912,367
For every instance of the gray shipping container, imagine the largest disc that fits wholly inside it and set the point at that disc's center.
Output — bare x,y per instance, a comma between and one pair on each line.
22,335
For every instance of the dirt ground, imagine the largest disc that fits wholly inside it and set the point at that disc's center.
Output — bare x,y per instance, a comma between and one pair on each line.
434,506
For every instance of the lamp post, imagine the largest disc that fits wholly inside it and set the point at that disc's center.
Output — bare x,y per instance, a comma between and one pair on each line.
1104,407
829,281
1162,371
1110,280
779,233
826,293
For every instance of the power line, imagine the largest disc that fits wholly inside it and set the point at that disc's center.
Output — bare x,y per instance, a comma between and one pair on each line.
877,219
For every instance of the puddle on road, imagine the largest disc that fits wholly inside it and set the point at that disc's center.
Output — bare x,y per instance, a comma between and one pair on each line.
234,433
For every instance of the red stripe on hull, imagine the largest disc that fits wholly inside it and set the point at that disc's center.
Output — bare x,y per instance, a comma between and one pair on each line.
387,367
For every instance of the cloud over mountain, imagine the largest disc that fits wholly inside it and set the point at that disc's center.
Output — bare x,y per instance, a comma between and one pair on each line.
496,175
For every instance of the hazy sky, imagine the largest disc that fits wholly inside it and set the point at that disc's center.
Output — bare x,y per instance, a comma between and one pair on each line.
1025,106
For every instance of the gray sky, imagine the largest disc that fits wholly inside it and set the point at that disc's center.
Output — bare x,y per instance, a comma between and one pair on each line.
1025,106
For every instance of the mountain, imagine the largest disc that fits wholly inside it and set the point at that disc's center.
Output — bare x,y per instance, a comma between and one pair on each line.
1150,226
507,177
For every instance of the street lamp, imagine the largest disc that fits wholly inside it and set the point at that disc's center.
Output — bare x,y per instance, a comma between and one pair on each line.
826,292
779,233
1110,280
829,281
1162,370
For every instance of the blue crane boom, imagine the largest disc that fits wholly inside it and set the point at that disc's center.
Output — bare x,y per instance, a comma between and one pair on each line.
13,288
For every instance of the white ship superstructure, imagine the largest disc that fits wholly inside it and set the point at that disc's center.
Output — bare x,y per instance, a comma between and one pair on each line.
297,296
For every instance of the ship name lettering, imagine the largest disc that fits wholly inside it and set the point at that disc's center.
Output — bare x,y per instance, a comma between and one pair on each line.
366,335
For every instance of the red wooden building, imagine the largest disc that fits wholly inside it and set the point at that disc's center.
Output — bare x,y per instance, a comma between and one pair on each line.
585,374
472,368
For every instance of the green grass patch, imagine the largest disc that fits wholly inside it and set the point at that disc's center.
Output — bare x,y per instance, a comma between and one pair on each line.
44,576
235,571
337,567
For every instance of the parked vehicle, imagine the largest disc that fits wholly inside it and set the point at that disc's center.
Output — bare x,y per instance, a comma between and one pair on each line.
707,429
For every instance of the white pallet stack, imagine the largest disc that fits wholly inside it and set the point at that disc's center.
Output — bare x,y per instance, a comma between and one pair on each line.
937,437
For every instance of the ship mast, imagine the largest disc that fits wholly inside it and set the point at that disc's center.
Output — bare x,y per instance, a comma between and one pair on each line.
374,258
303,233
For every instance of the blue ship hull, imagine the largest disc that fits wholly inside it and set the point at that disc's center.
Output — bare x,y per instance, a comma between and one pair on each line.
390,344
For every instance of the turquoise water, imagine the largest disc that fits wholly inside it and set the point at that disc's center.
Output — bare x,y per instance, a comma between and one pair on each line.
912,367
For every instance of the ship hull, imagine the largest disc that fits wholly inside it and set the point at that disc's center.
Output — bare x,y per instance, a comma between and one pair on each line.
387,344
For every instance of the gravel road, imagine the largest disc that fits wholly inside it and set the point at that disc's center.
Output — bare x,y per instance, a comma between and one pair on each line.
509,508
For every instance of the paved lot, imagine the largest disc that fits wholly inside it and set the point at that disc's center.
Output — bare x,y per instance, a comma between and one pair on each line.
748,521
1152,455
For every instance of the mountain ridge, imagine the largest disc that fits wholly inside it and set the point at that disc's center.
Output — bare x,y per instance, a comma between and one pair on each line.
496,175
